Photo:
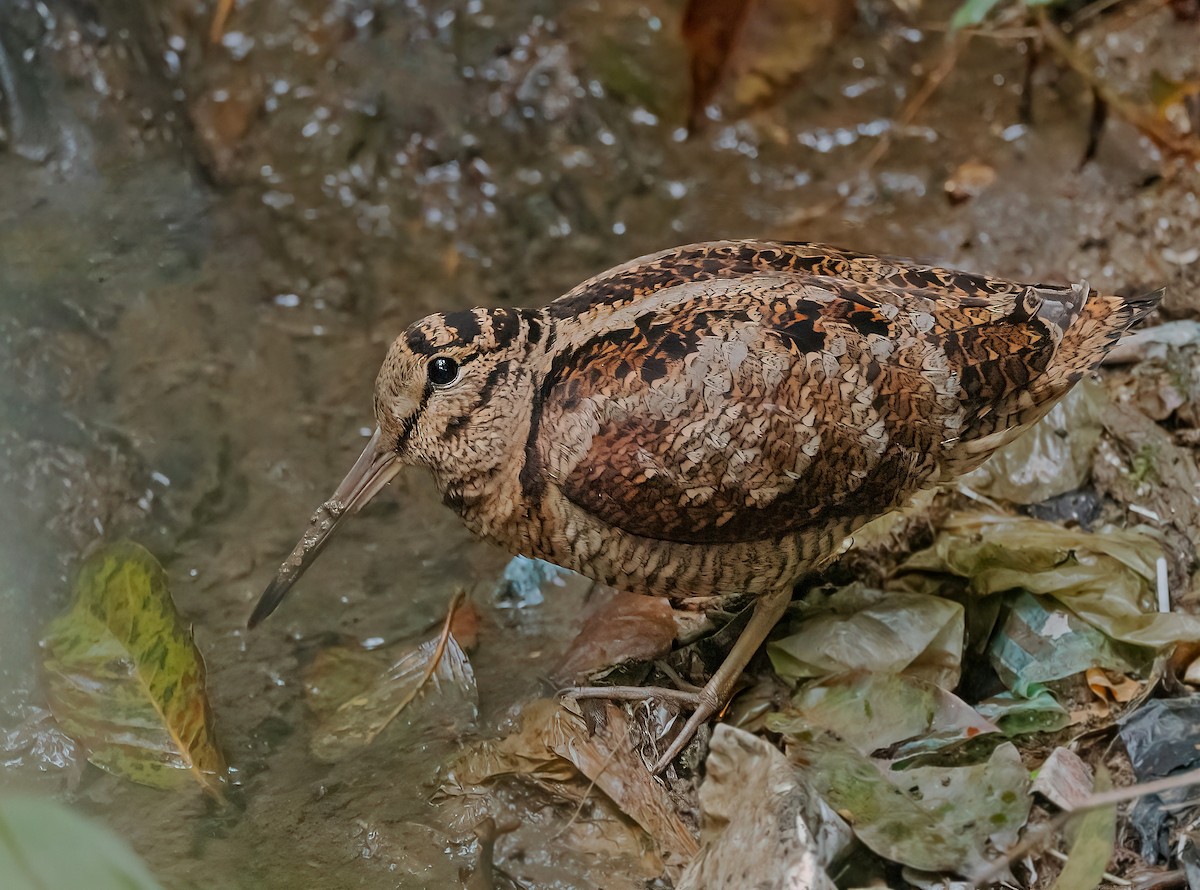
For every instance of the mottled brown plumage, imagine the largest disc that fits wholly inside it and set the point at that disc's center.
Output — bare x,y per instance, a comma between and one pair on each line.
717,418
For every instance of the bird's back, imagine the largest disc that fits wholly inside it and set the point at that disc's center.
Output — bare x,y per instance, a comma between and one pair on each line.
735,392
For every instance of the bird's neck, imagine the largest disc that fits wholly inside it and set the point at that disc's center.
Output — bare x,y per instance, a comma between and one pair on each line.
478,465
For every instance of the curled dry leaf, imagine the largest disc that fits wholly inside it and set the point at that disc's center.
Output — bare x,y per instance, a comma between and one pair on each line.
1064,779
763,826
1122,689
758,49
124,677
624,627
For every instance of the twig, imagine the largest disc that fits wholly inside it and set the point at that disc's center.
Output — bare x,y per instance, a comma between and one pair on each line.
1151,126
220,18
908,113
913,106
1112,879
1038,839
587,792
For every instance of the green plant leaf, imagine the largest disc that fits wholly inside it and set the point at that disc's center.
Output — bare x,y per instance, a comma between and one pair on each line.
971,13
43,845
124,678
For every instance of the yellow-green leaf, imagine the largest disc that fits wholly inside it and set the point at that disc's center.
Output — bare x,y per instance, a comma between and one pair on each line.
43,844
124,677
1095,833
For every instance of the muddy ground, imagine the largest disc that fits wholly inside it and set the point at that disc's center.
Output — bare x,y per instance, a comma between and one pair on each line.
204,250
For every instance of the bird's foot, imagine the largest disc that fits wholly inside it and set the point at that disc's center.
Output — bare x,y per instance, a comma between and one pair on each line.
704,703
636,693
707,702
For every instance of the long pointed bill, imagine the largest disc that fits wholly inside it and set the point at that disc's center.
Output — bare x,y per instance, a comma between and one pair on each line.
374,469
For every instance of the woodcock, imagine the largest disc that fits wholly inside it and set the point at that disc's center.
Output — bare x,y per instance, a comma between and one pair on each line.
717,418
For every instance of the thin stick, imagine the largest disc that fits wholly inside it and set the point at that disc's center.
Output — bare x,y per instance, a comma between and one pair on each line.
908,113
1037,839
920,98
1112,879
220,18
1147,123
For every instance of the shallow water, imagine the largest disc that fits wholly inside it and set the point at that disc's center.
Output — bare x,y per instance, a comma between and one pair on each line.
201,270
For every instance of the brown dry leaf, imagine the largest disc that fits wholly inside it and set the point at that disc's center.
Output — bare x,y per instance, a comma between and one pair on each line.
624,627
464,625
1123,689
554,744
710,30
755,50
1064,779
356,695
1192,674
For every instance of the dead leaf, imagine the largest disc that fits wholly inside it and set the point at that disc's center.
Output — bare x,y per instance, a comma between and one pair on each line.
1177,102
763,826
937,819
755,49
464,625
871,712
1064,779
1095,834
554,743
710,30
124,677
355,695
624,627
1122,690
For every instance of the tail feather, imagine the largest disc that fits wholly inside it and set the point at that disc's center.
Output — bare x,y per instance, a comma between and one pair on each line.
1103,321
1090,324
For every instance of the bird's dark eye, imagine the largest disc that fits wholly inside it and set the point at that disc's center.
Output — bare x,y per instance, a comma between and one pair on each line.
443,371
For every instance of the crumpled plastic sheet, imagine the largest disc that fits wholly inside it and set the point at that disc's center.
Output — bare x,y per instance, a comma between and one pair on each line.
859,628
1107,578
1050,459
1040,641
1161,739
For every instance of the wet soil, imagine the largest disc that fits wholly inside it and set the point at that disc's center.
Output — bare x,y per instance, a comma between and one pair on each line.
205,249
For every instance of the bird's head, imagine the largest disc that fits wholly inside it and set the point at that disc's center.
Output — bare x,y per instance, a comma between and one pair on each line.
440,400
